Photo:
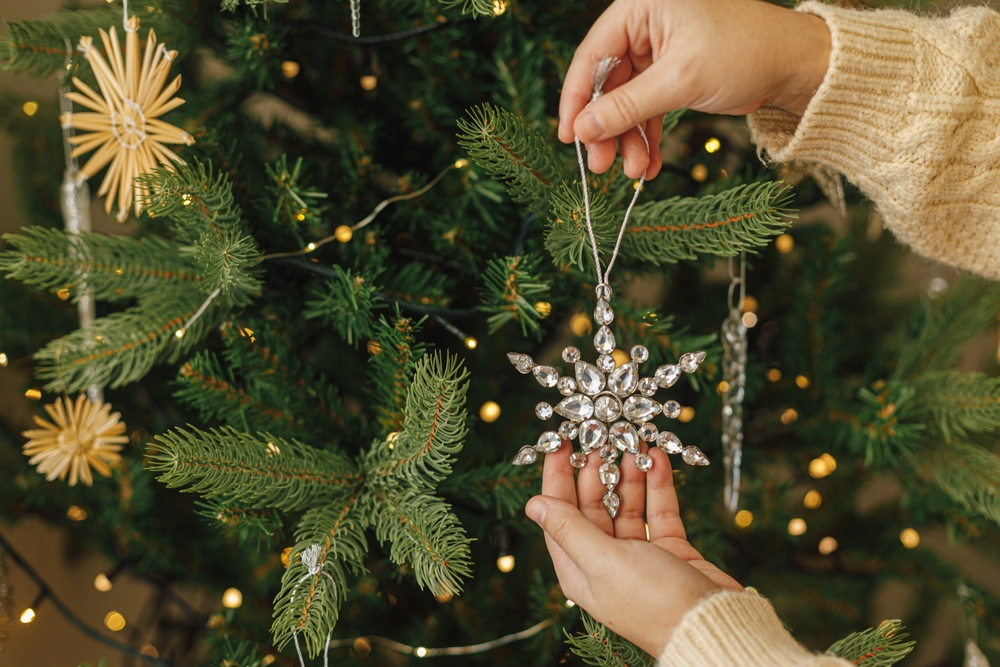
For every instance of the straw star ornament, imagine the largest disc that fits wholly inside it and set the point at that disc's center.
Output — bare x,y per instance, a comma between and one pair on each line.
124,125
85,434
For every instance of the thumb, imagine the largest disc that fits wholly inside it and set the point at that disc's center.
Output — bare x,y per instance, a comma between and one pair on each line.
568,528
645,96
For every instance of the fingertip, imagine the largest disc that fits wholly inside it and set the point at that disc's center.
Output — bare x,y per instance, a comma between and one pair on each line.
589,127
536,509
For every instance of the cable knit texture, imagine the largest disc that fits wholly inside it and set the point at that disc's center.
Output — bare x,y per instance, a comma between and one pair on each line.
909,112
731,629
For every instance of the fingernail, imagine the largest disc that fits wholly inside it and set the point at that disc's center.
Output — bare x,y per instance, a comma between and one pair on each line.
536,509
625,166
590,126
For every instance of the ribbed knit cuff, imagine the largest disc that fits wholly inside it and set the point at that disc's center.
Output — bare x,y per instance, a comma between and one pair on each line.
732,629
873,62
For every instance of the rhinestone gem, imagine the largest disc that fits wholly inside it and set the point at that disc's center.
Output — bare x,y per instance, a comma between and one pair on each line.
694,456
546,375
589,378
593,434
578,459
643,462
568,430
608,453
624,380
624,437
639,354
689,362
567,385
606,363
612,501
667,375
604,341
647,386
669,442
648,432
571,355
699,356
640,409
576,407
603,313
609,475
607,407
522,362
543,410
548,442
525,456
672,409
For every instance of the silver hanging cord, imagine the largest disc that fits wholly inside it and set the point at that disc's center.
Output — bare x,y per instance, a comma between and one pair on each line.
602,71
734,374
738,282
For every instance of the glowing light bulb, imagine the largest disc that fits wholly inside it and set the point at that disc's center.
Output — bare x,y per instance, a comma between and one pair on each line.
490,412
827,545
179,333
543,308
910,538
801,381
686,415
712,145
28,615
785,244
310,247
750,304
33,394
75,513
343,233
505,563
290,69
461,163
114,621
369,81
620,357
30,108
570,604
749,320
471,343
773,375
580,324
796,527
232,598
699,173
813,499
743,518
3,360
789,416
420,652
102,583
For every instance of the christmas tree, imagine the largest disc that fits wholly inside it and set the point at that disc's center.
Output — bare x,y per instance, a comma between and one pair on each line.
340,221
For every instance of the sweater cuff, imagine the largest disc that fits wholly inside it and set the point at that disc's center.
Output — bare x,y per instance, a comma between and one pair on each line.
734,628
873,58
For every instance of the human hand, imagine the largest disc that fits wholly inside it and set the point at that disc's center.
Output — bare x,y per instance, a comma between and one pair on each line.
639,589
717,56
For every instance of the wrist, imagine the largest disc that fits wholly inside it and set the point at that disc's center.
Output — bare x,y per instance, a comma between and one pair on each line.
806,61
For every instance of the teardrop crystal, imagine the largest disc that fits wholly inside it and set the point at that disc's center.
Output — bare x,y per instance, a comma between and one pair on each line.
689,362
609,475
546,375
607,407
624,437
612,502
647,386
548,442
669,443
694,456
624,380
667,375
640,409
589,378
578,459
568,430
576,407
672,409
593,434
603,313
522,362
604,341
571,355
527,455
643,462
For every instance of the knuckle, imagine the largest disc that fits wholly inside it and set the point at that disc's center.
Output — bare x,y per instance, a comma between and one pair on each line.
624,106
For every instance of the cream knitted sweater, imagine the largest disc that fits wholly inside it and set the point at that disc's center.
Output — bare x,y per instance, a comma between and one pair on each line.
909,112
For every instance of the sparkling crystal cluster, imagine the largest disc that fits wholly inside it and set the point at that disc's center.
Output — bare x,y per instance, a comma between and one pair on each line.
608,409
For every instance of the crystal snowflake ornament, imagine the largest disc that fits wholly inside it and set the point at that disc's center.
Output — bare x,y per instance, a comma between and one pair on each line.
608,409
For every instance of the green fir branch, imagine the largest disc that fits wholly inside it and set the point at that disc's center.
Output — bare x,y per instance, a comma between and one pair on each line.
289,197
114,268
346,303
883,646
602,647
511,289
121,348
228,261
510,150
500,489
433,429
725,224
477,8
252,470
970,475
961,403
308,605
392,367
567,238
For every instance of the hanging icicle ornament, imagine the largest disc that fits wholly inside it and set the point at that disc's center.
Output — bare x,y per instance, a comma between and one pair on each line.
85,434
608,409
124,125
734,378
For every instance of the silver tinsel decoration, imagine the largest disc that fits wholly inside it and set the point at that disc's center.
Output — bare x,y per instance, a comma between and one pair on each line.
734,374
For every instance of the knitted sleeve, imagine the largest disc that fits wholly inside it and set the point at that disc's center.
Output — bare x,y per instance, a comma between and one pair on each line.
731,629
909,112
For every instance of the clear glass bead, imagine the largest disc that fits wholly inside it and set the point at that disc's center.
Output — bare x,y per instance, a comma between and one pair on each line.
566,385
639,354
568,430
608,452
571,355
672,409
647,386
648,432
578,459
607,407
606,363
543,410
643,462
